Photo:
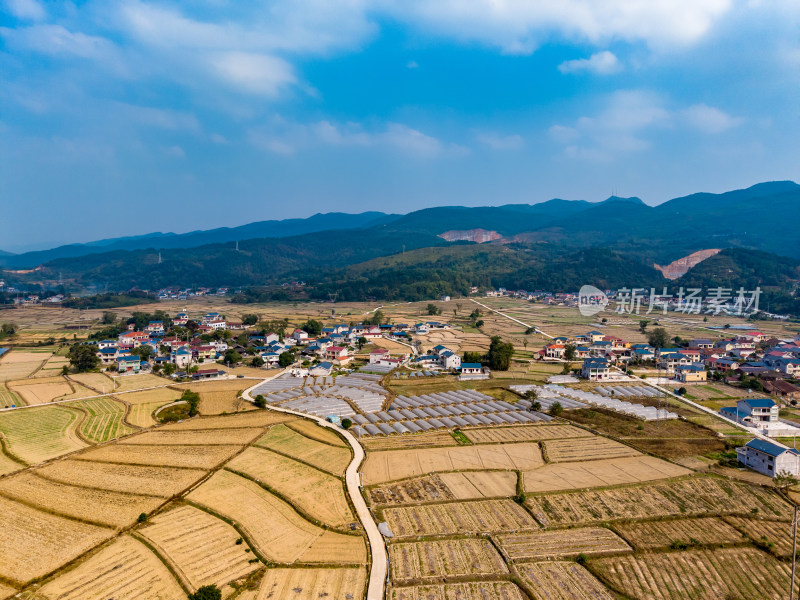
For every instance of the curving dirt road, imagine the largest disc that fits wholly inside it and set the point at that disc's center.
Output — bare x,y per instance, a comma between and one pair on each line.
377,575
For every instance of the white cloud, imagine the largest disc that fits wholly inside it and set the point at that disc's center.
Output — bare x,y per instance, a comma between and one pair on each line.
286,138
55,40
28,10
519,26
257,73
218,138
501,142
709,119
563,135
175,152
161,118
602,63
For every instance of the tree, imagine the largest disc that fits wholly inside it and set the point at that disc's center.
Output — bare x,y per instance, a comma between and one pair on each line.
7,330
377,318
479,323
169,369
569,353
525,343
257,362
658,337
556,409
531,395
108,318
65,370
249,319
643,325
260,401
286,359
433,309
536,406
361,342
312,327
346,423
473,357
784,480
232,356
206,592
499,355
83,358
682,391
192,399
475,315
144,351
530,330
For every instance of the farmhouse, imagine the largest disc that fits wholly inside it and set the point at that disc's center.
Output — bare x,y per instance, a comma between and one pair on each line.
129,364
595,369
323,369
752,411
690,373
769,458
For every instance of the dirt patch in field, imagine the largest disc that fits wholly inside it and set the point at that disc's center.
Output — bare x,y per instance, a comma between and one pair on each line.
420,561
196,457
565,543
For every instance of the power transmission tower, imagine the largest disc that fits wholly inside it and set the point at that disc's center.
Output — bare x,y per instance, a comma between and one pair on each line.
332,296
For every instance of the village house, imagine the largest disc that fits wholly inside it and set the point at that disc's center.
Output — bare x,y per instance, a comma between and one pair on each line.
769,458
377,355
129,364
595,369
154,327
753,412
782,389
700,343
691,373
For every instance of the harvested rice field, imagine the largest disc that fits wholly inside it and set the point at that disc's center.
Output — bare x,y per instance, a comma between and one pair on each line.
583,449
124,569
35,543
322,434
7,465
165,437
323,456
423,489
141,414
200,548
562,543
218,402
41,393
644,535
6,591
101,507
312,584
561,581
218,385
139,382
418,561
600,473
99,382
486,516
478,590
526,433
429,439
693,496
381,467
144,404
315,493
720,573
38,434
132,479
778,533
472,485
196,457
103,420
18,364
255,418
272,526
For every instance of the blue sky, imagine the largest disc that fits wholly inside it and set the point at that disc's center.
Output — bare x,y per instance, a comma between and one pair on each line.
125,117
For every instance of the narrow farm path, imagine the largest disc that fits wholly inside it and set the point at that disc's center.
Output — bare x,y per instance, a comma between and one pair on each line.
536,329
377,576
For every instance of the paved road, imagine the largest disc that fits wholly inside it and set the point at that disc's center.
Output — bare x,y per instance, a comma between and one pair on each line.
536,329
377,576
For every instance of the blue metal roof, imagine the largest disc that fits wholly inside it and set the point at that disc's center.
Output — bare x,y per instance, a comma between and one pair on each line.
769,448
470,365
759,402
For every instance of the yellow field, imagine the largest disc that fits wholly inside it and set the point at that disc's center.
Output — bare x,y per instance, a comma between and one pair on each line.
255,418
40,393
143,404
778,533
102,507
141,414
124,569
447,558
478,590
600,473
7,465
429,439
216,403
315,432
401,464
561,581
525,433
103,420
39,434
486,516
272,526
200,548
35,542
316,493
217,437
323,456
312,584
216,385
134,479
198,457
138,382
583,449
564,543
17,364
660,534
6,591
480,484
96,381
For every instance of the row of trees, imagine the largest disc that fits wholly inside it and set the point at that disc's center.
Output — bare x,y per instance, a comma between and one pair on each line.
498,358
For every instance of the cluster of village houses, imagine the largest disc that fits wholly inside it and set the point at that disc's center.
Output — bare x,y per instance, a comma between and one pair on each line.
335,347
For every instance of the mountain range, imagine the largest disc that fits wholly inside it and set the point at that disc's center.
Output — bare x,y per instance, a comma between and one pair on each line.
558,244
